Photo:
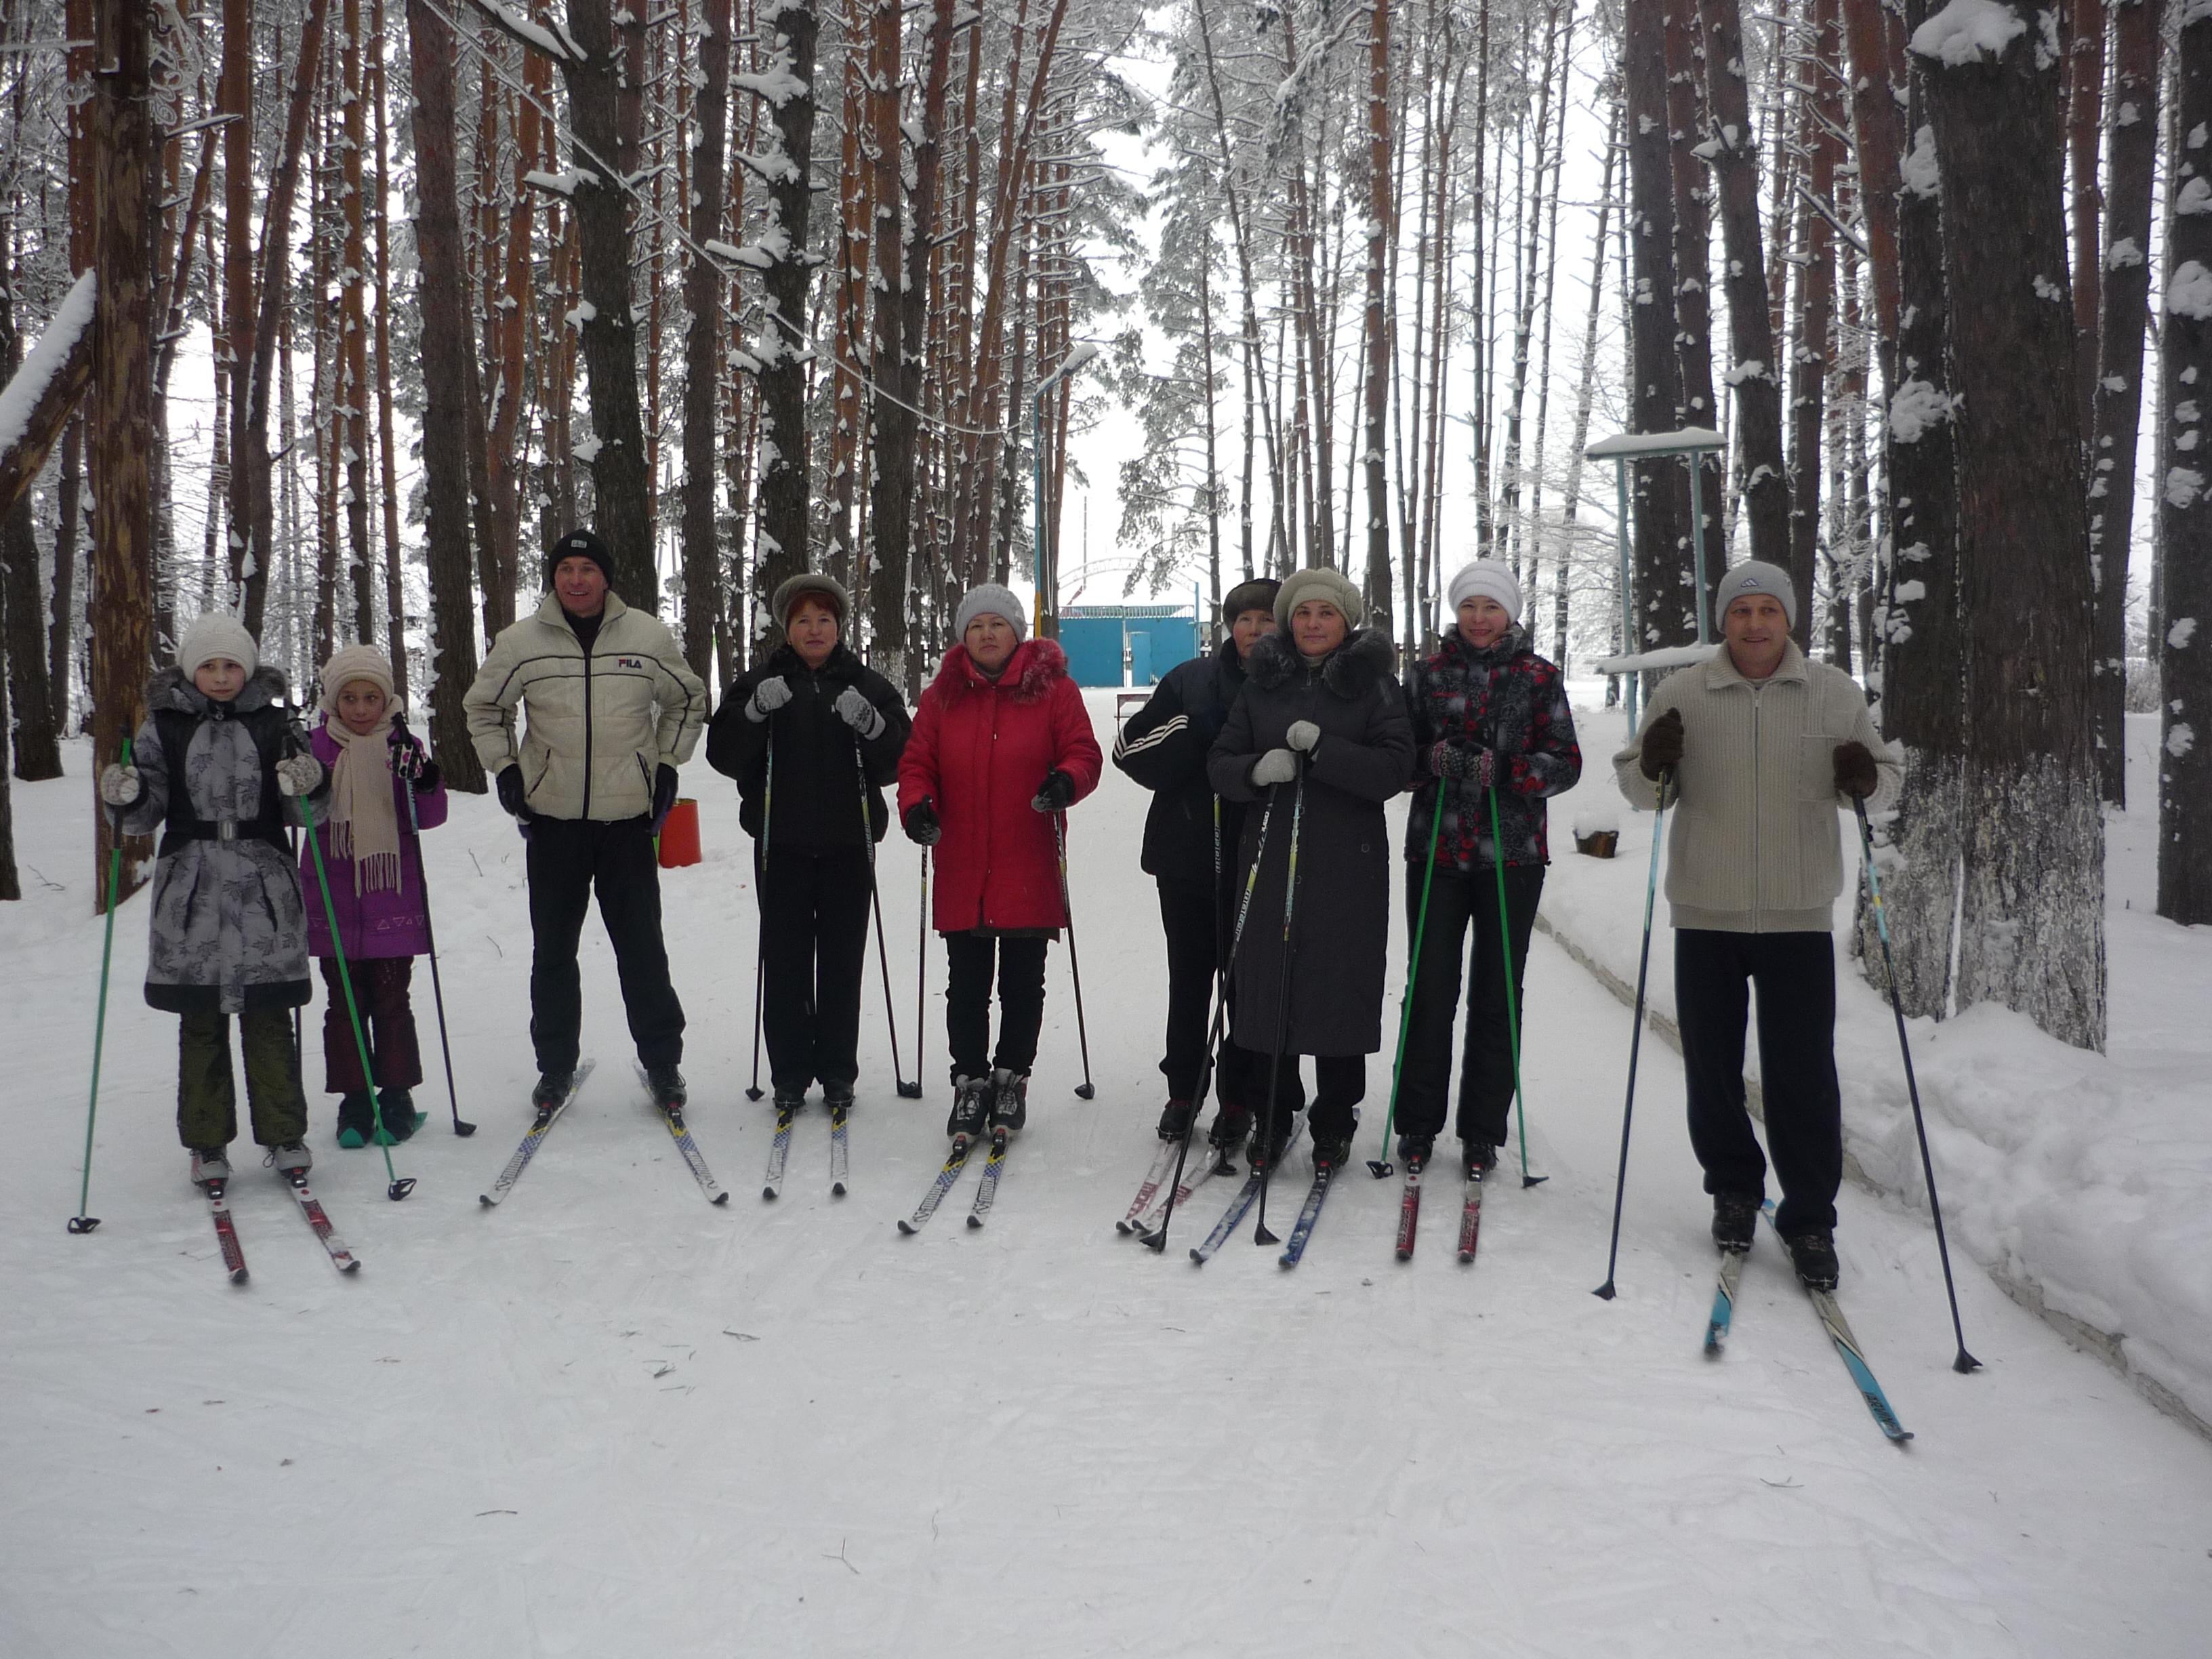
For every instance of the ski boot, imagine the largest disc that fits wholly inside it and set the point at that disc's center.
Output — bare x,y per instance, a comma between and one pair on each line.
552,1089
400,1119
290,1159
665,1084
1480,1158
837,1096
1010,1107
1177,1119
1414,1151
1331,1152
1232,1126
1269,1142
788,1102
356,1118
1812,1253
1736,1217
210,1165
971,1107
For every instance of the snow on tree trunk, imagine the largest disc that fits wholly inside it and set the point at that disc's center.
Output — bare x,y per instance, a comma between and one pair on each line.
1693,277
2123,310
1820,114
2031,833
444,419
703,345
1382,357
2185,478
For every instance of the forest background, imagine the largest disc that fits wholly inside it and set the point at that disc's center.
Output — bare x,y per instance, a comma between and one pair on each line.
332,312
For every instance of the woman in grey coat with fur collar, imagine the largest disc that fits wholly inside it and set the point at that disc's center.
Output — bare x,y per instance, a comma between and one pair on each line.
1319,698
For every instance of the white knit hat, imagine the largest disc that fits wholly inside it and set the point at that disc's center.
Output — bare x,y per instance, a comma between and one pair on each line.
216,633
1318,583
1492,581
989,599
350,663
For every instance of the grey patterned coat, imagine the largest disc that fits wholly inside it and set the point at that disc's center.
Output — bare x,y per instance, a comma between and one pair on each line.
229,931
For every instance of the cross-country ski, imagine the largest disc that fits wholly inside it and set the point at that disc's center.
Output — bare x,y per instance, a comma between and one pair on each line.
548,1112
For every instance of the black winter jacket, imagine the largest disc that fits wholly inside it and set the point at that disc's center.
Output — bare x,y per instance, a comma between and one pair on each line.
817,782
1164,748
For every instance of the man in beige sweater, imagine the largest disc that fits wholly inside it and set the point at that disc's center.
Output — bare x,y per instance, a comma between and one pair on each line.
1760,748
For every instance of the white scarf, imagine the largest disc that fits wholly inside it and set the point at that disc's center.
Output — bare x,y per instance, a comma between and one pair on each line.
364,822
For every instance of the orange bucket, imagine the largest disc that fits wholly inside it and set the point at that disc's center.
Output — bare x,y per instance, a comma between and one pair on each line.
679,835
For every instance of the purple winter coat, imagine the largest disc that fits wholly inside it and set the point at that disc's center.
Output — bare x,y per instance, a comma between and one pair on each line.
380,922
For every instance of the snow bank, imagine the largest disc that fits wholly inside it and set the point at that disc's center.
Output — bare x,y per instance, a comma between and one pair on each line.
2075,1179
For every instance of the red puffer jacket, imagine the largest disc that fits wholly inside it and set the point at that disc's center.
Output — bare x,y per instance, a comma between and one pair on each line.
980,750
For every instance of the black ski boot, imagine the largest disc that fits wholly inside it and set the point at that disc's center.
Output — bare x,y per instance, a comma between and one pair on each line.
787,1101
1735,1217
1415,1151
1269,1142
1010,1106
1177,1119
356,1118
838,1097
400,1119
1331,1152
552,1089
971,1107
1231,1126
1812,1253
666,1086
1480,1156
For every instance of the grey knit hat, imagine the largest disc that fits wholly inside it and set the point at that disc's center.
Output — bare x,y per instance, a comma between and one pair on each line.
1755,576
1318,584
807,584
989,599
1258,594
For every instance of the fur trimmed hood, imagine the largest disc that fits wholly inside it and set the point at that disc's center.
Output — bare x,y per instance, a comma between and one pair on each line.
1350,672
170,688
1029,675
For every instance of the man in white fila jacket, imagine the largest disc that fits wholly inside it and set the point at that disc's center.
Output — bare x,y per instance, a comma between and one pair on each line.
1764,748
610,711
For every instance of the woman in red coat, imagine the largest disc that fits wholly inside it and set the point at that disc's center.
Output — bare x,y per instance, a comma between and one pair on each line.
1001,746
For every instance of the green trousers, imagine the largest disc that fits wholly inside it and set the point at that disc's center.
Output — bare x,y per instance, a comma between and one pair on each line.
207,1098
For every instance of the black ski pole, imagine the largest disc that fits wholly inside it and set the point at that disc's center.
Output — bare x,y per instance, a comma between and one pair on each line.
81,1222
1086,1089
920,967
1261,1237
1636,1035
1965,1362
1512,999
1216,1034
760,895
906,1091
461,1126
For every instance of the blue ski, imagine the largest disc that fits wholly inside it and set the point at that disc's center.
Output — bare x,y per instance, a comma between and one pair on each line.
1309,1212
1247,1196
1717,1327
1847,1349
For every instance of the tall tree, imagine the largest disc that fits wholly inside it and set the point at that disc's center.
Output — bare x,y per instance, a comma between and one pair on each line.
1380,348
1813,315
702,345
1665,584
2031,924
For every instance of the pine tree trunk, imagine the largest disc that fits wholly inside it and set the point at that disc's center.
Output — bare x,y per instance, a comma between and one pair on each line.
353,313
2124,310
2085,97
1382,236
446,345
1694,271
395,593
702,345
2031,933
1875,135
1665,583
1821,112
2185,642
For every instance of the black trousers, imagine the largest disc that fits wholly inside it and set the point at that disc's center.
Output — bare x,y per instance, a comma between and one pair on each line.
970,961
1340,1084
1795,974
1461,902
814,936
570,859
1198,921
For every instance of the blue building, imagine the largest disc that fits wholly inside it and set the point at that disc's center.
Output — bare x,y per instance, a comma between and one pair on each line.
1128,644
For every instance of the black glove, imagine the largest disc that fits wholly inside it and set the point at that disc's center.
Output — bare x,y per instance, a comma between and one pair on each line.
1055,794
663,796
1855,773
1662,745
921,825
512,795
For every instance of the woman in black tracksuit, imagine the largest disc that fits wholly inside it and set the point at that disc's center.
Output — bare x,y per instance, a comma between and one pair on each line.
811,735
1191,839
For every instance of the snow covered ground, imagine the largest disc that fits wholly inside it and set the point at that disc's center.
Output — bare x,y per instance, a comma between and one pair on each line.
606,1418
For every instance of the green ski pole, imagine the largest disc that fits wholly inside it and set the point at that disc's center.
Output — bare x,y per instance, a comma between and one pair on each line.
80,1222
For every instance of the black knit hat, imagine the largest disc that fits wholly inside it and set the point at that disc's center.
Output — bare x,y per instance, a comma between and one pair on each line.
1258,594
579,544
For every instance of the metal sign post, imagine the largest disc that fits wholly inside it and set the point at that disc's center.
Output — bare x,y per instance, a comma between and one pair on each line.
1694,442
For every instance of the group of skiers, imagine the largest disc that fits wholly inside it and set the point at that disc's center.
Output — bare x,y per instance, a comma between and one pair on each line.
1270,759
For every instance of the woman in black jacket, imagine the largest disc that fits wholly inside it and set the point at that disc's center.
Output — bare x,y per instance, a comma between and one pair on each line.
1320,706
811,735
1191,836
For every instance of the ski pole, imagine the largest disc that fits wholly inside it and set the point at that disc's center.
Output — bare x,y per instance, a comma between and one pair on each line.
398,1189
80,1222
1382,1168
430,937
1086,1089
1216,1034
1512,999
1636,1035
1965,1362
906,1091
760,895
1261,1236
920,966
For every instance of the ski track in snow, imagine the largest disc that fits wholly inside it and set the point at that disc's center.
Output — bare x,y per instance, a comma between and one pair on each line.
606,1418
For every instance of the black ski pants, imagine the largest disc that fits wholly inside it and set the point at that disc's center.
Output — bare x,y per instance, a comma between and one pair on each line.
1198,919
1796,976
1340,1084
569,859
970,960
814,939
1461,902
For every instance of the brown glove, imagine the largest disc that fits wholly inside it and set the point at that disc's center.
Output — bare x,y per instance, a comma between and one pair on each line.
1662,745
1854,770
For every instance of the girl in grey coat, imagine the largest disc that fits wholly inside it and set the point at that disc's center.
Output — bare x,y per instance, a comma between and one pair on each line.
1319,699
216,768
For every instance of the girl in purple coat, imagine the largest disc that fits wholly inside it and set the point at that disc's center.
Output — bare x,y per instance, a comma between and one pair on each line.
375,870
